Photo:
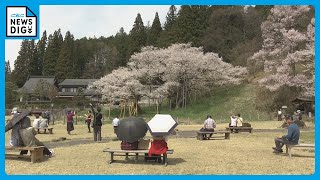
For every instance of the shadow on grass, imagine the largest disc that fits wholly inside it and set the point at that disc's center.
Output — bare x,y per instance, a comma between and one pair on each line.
171,161
296,155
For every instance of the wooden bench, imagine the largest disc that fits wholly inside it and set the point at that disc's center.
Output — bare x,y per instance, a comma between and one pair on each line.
36,152
201,133
240,129
49,129
289,147
135,153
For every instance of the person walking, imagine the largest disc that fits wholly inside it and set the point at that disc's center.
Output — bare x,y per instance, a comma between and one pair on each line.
88,120
291,138
97,123
70,126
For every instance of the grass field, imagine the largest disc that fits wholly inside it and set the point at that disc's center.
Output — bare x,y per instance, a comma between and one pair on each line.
244,153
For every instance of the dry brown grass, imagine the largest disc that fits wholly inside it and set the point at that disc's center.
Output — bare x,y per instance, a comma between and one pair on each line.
244,153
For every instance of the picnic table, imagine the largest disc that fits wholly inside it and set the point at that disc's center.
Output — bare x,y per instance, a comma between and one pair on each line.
135,153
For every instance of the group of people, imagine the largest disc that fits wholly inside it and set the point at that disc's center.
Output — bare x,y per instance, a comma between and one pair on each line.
93,119
297,115
40,122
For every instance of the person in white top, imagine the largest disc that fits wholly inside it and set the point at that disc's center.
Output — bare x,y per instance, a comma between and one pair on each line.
279,115
208,126
115,123
36,121
233,122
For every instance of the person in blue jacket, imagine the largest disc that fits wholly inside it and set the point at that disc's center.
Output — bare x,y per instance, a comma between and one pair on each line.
291,138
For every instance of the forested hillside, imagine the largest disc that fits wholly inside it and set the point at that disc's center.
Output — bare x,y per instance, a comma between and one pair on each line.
274,44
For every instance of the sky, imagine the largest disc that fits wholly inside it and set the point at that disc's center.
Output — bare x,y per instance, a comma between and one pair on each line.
89,21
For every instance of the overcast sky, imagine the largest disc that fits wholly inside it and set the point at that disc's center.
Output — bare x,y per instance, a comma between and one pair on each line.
89,21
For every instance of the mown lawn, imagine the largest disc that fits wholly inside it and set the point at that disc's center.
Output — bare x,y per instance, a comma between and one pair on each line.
244,153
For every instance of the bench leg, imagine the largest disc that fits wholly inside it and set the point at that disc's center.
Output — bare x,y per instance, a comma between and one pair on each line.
127,156
288,150
50,131
165,159
227,135
200,137
137,156
111,157
36,155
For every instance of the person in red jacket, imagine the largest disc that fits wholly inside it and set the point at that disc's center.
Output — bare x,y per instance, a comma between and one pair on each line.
158,147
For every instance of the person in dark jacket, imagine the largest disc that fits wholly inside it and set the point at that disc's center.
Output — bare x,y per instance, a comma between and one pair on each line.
291,138
97,123
70,126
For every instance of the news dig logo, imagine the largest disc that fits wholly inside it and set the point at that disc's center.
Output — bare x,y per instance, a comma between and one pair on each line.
21,22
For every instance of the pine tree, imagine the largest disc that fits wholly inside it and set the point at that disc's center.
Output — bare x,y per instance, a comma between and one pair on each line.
65,63
34,60
52,53
8,71
138,35
121,42
41,49
170,18
22,64
155,30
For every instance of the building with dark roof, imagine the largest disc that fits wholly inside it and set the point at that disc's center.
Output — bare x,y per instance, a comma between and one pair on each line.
28,90
69,88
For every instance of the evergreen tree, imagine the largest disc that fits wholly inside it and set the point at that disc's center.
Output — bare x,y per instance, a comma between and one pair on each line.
138,35
41,49
65,65
225,31
168,36
52,53
192,23
34,60
155,30
8,71
121,42
81,56
170,18
22,64
11,94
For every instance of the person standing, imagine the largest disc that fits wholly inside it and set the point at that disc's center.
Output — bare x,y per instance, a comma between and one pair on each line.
115,123
88,120
97,123
70,126
279,115
291,138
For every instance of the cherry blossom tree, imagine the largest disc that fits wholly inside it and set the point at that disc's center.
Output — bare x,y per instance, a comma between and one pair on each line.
288,49
180,71
176,73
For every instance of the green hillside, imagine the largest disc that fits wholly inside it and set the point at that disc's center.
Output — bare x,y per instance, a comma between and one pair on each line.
221,105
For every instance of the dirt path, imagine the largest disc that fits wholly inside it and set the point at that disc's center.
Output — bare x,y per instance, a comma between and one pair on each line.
179,134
